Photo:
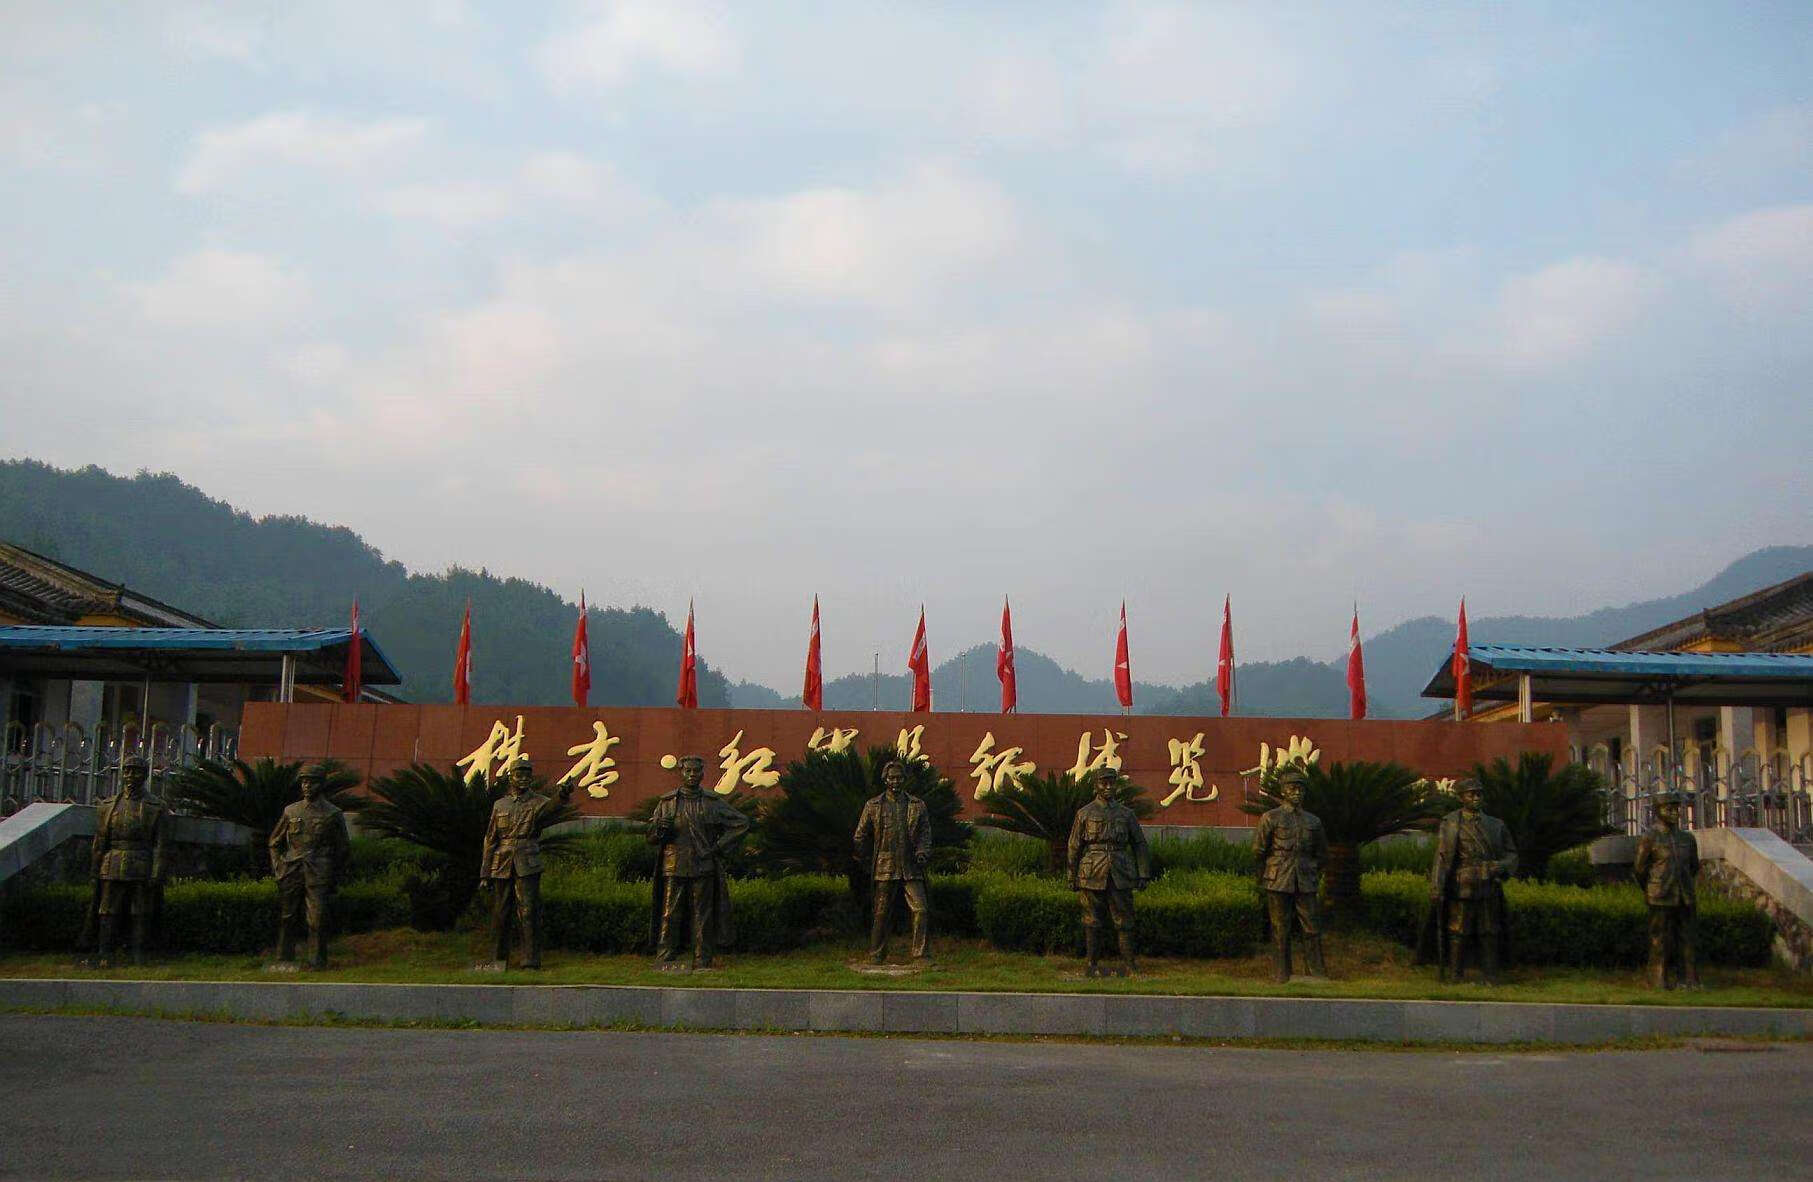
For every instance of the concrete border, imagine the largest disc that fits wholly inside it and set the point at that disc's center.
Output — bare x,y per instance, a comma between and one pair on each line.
883,1011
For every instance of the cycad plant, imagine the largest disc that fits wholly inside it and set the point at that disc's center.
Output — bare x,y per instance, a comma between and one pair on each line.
1046,806
809,824
253,795
441,812
1358,803
1547,811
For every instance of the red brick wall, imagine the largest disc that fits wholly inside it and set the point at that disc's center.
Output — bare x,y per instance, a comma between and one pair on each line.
378,739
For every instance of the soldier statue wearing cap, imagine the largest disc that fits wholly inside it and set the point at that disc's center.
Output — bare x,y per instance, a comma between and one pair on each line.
1108,861
894,842
694,830
511,863
1474,854
127,858
309,848
1289,847
1667,862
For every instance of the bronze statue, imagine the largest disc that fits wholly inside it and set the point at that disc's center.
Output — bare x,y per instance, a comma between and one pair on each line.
1474,854
511,863
1289,847
1108,861
695,830
127,858
894,842
1667,862
309,849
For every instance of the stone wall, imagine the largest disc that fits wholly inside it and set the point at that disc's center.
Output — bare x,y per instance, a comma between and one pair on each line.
1793,936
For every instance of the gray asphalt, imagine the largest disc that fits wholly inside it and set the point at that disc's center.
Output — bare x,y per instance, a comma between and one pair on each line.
142,1098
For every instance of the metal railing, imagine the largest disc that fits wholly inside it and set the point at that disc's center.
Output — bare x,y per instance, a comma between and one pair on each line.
1754,789
68,764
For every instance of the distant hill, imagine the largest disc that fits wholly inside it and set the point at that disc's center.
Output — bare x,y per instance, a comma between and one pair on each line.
170,541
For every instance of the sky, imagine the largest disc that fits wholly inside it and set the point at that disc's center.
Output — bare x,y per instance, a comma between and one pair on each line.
933,303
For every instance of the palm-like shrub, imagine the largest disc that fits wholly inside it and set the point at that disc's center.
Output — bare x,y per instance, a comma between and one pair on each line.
1547,811
442,813
1358,803
1045,807
807,826
253,795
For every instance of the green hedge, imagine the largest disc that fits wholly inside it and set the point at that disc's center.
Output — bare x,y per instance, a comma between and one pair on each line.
238,916
1186,914
1206,850
1551,924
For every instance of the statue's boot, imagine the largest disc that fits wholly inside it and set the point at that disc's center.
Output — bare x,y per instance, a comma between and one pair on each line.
1690,973
286,940
1091,949
1127,963
104,942
532,947
922,935
1457,960
1488,960
1312,956
317,947
1658,973
139,924
1281,960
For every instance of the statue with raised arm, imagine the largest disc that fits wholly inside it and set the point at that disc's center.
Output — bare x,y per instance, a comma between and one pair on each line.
309,849
695,830
1666,865
511,863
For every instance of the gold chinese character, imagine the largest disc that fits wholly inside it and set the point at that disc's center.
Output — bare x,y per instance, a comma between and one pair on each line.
997,770
1186,773
909,744
831,741
596,768
1300,750
1107,755
755,769
500,747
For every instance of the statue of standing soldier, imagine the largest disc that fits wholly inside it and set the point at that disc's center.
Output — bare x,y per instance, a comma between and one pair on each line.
1289,847
694,830
1667,863
127,858
309,849
1474,854
511,863
1108,861
894,841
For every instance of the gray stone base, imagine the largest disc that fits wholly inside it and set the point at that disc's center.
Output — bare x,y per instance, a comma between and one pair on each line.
870,1011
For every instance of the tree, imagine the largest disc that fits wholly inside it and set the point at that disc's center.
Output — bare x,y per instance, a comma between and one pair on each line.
441,812
1547,811
254,795
1046,806
1358,803
809,824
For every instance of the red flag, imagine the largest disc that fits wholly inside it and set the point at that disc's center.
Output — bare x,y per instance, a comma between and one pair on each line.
582,658
1123,667
920,662
1356,671
1224,665
814,693
687,696
355,653
1004,662
462,662
1463,667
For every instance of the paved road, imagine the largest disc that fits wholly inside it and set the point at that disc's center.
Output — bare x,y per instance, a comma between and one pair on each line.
138,1098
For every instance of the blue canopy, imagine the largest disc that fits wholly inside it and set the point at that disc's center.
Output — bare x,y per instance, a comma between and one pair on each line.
1615,675
248,655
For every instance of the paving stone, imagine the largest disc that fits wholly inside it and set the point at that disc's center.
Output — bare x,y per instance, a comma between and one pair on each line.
699,1009
1290,1017
36,995
1136,1016
1030,1013
844,1009
920,1013
1443,1021
1582,1024
1217,1017
1516,1022
772,1009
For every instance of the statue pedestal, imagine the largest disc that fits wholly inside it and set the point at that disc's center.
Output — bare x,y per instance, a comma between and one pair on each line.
489,966
283,966
888,970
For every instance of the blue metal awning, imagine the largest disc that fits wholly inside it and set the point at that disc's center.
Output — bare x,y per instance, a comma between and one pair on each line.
249,655
1613,675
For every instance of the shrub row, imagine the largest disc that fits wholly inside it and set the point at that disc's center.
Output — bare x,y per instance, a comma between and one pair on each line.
1188,913
1601,927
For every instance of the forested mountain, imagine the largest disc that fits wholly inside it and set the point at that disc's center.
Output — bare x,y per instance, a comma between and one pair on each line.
170,541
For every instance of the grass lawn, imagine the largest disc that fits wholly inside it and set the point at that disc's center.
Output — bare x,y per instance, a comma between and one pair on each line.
1362,966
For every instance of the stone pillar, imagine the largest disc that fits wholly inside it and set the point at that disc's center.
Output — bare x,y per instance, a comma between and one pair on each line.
1648,730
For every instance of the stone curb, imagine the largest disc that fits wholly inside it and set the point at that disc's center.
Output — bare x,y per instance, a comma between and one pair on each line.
880,1011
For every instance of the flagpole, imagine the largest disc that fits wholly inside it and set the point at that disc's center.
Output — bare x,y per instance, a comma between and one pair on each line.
877,681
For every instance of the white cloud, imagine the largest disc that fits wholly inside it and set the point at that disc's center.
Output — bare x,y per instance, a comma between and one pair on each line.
625,36
221,157
211,34
221,289
549,180
1565,310
1762,256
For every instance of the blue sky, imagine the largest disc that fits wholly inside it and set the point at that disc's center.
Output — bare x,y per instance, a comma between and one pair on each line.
896,303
